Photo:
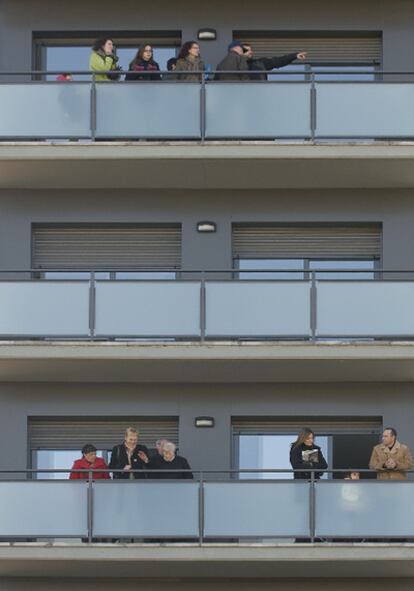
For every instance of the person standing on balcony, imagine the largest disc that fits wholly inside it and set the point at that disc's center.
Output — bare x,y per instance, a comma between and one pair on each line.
268,63
189,62
235,61
128,456
104,59
89,461
391,459
304,454
168,460
143,62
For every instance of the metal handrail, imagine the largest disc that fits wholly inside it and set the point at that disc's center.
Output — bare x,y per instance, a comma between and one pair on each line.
177,73
180,271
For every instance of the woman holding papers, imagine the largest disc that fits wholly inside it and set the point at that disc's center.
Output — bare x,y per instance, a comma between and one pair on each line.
304,454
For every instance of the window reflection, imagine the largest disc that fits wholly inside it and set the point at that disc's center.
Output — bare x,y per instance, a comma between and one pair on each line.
62,459
71,58
279,269
270,452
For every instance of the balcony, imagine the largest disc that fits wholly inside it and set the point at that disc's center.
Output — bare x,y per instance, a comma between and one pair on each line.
210,527
210,508
305,133
214,305
307,109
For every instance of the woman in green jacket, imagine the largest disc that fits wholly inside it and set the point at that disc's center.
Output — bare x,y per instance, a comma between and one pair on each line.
103,59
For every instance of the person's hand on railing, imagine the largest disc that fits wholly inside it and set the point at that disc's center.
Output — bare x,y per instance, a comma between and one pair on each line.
127,467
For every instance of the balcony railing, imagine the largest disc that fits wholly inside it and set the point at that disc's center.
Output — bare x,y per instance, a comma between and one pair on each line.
308,109
212,507
209,305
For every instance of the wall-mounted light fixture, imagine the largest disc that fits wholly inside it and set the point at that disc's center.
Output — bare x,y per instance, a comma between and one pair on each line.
206,226
204,422
207,34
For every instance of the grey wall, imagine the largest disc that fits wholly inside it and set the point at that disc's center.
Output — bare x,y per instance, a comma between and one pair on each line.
395,18
205,448
394,208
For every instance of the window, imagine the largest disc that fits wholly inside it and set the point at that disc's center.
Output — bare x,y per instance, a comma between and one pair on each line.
55,442
304,248
67,52
114,251
270,452
58,459
263,443
367,268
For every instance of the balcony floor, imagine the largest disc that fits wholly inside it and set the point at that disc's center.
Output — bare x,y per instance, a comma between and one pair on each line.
212,165
219,362
251,561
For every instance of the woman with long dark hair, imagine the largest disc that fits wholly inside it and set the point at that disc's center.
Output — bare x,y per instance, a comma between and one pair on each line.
189,62
104,59
143,62
304,454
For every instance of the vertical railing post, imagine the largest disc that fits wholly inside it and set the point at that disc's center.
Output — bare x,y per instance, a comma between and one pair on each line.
92,304
201,510
93,108
90,506
203,108
313,306
313,107
202,308
312,508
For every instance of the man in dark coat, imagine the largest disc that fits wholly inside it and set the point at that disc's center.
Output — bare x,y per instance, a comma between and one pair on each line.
128,456
235,61
268,63
168,460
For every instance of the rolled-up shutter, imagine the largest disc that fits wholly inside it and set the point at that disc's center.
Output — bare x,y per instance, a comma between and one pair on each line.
100,246
73,433
321,48
321,426
306,241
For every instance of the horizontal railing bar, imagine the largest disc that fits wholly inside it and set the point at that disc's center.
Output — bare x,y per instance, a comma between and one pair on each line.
177,73
374,271
197,471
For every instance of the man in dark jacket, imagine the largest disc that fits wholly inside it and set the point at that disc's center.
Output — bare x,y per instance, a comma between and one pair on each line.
168,460
235,61
268,63
128,456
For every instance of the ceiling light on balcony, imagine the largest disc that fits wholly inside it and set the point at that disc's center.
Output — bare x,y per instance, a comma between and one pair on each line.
206,227
204,422
207,34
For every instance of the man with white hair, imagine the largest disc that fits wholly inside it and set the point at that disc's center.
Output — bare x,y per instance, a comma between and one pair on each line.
169,460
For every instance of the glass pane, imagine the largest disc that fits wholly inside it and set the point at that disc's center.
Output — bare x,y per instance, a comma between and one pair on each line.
64,275
48,459
145,275
67,59
355,264
157,509
291,73
282,264
360,73
270,452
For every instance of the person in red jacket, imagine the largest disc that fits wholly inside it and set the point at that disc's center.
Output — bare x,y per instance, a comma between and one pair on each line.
89,461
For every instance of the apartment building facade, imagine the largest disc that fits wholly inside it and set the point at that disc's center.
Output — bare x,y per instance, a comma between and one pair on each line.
220,264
